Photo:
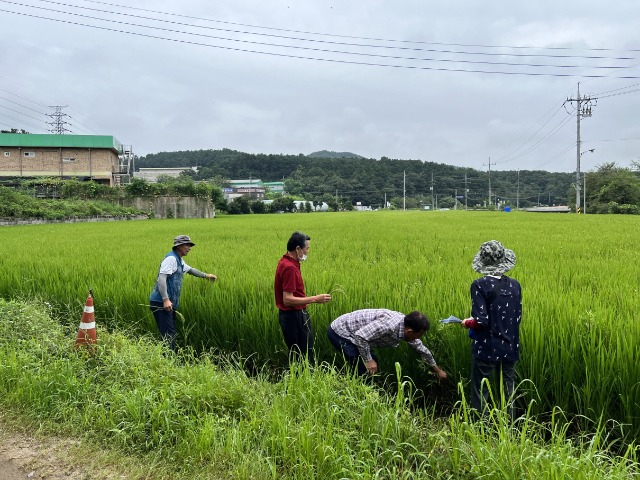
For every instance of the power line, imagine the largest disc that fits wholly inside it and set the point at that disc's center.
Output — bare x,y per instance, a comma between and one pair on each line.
22,122
320,50
510,156
24,98
7,125
245,32
350,62
414,42
24,114
611,140
79,122
500,156
565,150
555,130
599,95
617,94
24,106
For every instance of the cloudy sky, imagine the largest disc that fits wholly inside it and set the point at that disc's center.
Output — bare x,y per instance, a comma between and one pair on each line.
463,83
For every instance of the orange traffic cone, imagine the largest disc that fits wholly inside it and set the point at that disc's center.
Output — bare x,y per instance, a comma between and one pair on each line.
87,328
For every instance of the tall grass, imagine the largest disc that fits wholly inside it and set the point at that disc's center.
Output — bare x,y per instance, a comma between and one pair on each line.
185,417
580,337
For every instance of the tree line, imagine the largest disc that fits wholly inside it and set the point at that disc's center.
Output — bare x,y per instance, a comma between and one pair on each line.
372,181
343,179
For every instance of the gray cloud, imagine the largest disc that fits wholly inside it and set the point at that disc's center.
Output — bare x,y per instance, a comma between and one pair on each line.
163,95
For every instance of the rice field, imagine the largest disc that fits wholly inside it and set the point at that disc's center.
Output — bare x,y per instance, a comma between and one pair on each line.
579,275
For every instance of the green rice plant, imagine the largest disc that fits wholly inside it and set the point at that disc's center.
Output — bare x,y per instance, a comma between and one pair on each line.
185,416
579,279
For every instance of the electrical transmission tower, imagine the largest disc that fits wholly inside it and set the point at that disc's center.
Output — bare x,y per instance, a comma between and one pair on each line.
57,120
583,110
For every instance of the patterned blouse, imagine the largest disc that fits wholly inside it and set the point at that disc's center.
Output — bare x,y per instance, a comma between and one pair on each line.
497,307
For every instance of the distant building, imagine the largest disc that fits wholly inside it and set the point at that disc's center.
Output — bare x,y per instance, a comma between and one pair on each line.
251,183
254,188
257,183
276,187
362,208
152,174
553,209
253,192
101,158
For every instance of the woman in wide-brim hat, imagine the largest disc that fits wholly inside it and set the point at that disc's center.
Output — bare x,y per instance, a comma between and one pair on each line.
496,312
494,259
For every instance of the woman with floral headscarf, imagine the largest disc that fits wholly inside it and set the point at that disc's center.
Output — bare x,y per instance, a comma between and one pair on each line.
494,325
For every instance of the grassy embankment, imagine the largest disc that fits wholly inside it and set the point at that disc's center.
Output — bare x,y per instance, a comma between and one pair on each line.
188,417
15,205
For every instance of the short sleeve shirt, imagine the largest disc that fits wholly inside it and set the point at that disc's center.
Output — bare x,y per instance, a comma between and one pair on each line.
288,279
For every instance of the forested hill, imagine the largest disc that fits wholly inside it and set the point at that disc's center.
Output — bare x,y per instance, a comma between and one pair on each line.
370,180
328,154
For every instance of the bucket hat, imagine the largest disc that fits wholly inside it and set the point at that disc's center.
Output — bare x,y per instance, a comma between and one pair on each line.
182,240
493,259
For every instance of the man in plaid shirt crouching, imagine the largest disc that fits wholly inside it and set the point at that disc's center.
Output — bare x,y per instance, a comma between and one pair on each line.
355,333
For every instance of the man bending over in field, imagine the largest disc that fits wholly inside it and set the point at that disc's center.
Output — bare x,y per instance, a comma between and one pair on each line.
355,333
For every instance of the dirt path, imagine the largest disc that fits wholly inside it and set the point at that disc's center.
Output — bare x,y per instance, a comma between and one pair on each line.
24,456
8,471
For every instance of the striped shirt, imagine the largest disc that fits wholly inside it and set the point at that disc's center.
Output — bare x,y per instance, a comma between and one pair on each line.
377,328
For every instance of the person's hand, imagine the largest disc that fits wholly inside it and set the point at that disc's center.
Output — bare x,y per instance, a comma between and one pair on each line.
441,374
323,298
372,366
167,305
211,277
467,322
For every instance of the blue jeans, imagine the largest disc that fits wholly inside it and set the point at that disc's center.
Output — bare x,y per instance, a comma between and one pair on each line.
166,322
349,350
481,369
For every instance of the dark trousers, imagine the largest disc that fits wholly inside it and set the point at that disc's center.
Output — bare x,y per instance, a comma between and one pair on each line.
481,369
349,350
166,322
298,334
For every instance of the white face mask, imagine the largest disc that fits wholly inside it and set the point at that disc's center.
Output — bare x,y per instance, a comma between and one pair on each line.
302,259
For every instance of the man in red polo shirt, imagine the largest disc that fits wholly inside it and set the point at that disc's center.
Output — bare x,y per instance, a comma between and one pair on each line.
291,299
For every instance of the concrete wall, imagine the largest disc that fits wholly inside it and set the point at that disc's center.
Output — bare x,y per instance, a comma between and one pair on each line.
172,207
151,174
41,221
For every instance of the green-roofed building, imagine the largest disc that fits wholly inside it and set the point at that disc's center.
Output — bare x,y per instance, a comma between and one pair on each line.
101,158
276,187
